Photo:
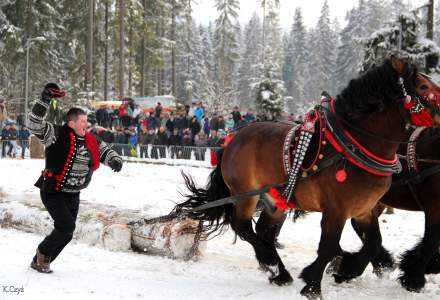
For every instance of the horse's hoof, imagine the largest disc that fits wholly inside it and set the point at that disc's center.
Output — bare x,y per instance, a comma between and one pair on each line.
339,278
311,292
282,280
433,266
412,283
334,265
379,271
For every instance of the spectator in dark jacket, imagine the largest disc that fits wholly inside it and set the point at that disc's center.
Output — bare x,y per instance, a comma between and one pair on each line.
6,138
146,137
158,110
179,123
221,123
120,140
186,142
160,144
201,143
13,141
214,123
236,116
23,136
170,124
213,139
102,117
175,143
249,117
152,122
241,123
195,127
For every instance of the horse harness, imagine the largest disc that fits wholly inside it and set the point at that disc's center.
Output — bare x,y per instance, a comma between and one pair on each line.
322,123
416,175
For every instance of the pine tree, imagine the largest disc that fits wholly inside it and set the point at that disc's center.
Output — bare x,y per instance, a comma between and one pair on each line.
325,53
251,54
376,15
349,55
385,42
295,64
206,90
226,51
269,86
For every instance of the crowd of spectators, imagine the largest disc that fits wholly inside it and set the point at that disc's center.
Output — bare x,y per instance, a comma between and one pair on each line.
160,130
154,133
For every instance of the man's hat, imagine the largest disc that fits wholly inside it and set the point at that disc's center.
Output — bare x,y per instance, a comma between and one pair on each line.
55,90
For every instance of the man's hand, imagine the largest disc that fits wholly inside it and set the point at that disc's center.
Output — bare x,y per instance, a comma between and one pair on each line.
51,90
115,163
46,95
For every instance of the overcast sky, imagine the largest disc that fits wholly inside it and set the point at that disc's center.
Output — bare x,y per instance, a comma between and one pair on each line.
311,9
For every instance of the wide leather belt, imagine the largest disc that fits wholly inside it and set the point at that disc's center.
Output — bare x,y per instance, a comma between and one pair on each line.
350,149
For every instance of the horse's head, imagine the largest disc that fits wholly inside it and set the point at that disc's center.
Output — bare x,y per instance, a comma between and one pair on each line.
421,96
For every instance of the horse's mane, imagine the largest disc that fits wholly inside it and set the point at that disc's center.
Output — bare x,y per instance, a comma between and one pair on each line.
374,90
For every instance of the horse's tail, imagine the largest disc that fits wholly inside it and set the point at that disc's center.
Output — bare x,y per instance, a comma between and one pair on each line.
216,217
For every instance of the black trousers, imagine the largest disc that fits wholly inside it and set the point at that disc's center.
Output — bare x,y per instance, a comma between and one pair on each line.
63,208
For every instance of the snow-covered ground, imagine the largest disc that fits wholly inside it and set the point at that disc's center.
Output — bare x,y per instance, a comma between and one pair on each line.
226,271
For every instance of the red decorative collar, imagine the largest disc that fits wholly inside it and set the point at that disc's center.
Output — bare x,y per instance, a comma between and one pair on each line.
384,166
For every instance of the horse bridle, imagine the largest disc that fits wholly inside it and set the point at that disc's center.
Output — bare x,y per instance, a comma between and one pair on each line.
422,103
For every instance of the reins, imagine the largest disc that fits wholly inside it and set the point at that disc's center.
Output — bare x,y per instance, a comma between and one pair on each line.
370,134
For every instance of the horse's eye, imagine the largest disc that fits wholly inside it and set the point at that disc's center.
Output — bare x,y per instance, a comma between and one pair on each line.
424,87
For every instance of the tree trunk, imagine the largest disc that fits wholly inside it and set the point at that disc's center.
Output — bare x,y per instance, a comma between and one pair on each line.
430,61
89,52
173,49
130,60
106,52
162,70
143,45
189,91
121,48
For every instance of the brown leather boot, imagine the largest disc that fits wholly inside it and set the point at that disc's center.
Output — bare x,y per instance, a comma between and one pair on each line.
42,263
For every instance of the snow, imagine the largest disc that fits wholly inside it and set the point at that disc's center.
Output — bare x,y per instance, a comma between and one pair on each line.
225,271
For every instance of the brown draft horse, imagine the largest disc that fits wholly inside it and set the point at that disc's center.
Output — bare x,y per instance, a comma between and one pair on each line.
253,159
424,258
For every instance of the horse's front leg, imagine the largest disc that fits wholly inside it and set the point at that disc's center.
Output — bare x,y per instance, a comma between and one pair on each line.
418,261
354,264
331,230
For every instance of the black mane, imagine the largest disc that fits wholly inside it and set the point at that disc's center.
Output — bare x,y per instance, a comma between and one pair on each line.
374,90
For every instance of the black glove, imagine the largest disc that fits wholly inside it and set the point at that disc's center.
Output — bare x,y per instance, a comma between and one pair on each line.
46,96
115,163
51,90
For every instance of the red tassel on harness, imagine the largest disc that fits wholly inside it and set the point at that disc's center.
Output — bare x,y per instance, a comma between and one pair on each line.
280,201
214,159
341,176
421,118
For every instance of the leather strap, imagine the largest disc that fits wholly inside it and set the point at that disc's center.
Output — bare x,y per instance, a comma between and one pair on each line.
352,152
411,149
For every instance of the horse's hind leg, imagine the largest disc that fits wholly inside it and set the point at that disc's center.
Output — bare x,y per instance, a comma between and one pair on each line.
433,266
331,230
264,251
415,262
383,260
354,264
267,228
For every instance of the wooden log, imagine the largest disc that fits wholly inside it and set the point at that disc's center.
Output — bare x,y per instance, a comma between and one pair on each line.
105,226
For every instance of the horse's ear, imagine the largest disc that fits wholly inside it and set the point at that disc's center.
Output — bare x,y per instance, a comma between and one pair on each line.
398,65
